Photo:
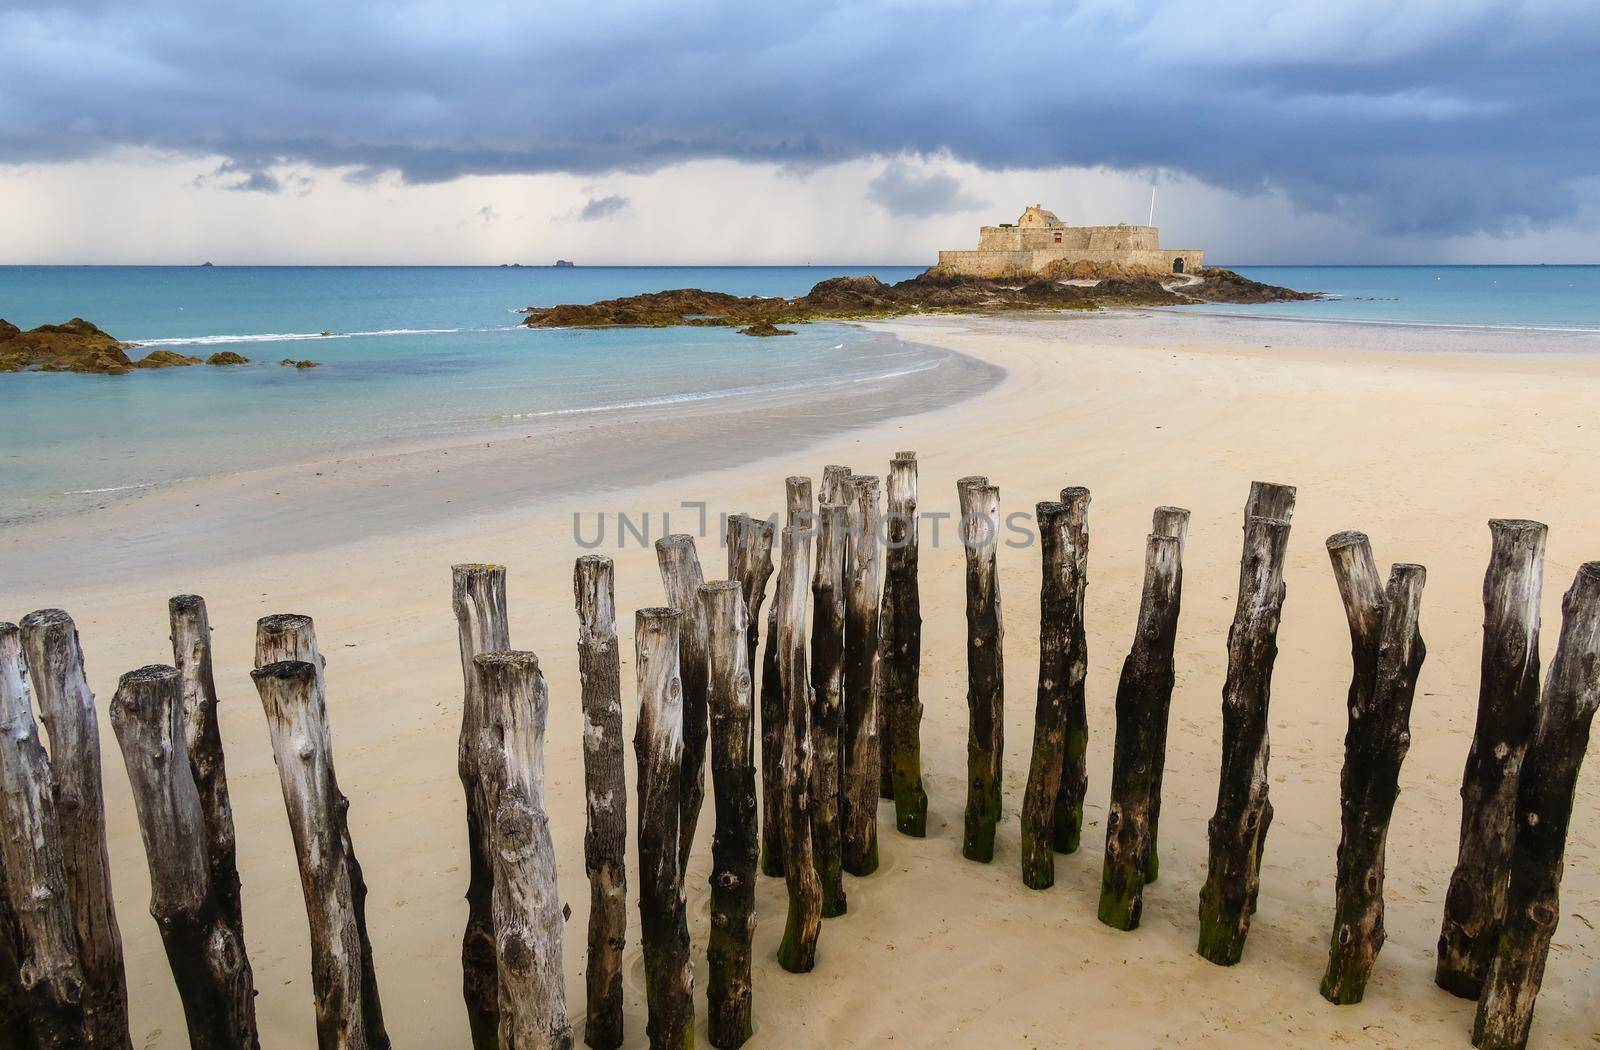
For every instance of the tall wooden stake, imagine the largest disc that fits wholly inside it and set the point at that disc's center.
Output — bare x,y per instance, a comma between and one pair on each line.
1508,708
527,904
658,747
980,536
1144,698
1174,522
605,839
50,971
203,948
858,793
798,952
343,981
827,713
1067,823
1062,530
1549,776
681,577
735,845
478,597
1387,653
17,1032
191,652
1238,828
797,499
55,666
750,563
900,627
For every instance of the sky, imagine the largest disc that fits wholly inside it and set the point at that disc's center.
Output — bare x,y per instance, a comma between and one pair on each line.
171,131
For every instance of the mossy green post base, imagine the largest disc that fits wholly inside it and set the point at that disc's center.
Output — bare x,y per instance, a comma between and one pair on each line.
794,953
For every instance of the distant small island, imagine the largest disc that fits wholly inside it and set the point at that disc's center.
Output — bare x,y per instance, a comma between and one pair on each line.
562,264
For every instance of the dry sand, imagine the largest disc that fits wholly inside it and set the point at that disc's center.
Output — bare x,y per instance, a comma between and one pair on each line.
1417,448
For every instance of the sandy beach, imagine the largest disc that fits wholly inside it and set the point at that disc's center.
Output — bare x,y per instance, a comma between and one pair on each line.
1416,436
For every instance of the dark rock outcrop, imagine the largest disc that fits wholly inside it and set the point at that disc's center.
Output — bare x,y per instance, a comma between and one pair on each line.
165,359
227,357
76,346
765,328
291,362
847,298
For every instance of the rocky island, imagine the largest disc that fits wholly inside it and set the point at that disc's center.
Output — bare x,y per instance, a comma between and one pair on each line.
1060,286
81,346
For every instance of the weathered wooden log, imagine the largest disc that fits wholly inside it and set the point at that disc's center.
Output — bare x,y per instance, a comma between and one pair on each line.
50,971
191,655
203,948
1067,823
1174,522
858,791
900,628
605,838
1062,529
288,636
1238,828
832,489
798,951
827,711
681,577
1144,698
658,748
16,1032
1547,780
343,982
1508,708
980,536
527,903
750,563
478,598
1375,745
797,499
66,706
735,845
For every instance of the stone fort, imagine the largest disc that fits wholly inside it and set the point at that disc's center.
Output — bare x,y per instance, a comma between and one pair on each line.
1038,239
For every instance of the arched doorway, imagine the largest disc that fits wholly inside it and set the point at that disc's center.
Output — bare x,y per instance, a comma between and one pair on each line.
1177,265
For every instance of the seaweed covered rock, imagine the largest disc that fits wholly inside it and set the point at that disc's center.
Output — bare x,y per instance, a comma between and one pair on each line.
227,357
765,328
1224,286
165,359
76,346
290,362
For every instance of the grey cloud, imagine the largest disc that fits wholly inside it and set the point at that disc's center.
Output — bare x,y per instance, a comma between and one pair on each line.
602,208
1410,116
903,192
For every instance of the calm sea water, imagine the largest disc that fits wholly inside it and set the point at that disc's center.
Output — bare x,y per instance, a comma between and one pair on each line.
425,352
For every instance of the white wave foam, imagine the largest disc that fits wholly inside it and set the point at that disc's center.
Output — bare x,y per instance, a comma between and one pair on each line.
290,337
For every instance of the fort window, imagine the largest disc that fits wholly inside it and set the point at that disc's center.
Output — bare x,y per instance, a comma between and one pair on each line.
1058,238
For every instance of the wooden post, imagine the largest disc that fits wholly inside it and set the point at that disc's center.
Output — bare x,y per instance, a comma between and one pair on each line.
797,499
478,597
682,578
605,839
342,978
980,536
750,563
288,636
1238,828
1545,789
900,627
1174,522
1063,529
798,952
1387,656
827,712
191,655
832,489
16,1033
858,792
55,666
50,972
735,845
527,904
207,957
658,747
1508,709
1067,823
1144,699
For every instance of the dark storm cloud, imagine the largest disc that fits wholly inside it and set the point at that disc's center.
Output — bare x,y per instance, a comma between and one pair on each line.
1416,117
903,192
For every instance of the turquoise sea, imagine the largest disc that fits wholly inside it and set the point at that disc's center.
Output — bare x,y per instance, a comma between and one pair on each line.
424,353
